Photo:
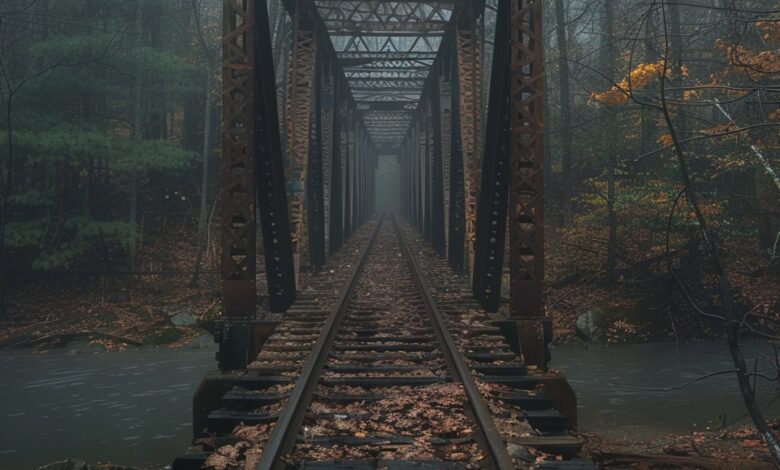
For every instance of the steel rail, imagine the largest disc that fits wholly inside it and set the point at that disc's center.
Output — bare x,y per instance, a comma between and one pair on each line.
460,371
285,431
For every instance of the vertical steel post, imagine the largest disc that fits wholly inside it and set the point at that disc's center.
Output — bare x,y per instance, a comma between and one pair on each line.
437,171
469,91
445,118
300,101
526,234
238,185
426,160
337,185
349,157
494,193
420,162
327,113
455,248
315,182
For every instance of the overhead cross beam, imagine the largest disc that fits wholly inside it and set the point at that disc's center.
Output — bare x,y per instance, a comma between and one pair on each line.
356,16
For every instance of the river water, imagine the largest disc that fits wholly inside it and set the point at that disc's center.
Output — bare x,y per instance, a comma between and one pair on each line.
134,407
623,391
129,407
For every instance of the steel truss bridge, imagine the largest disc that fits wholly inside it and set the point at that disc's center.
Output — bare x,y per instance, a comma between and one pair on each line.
367,80
371,78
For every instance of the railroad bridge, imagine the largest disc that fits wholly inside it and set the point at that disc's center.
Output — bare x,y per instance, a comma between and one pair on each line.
376,347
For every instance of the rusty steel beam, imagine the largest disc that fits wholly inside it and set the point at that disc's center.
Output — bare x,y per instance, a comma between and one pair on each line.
238,166
272,197
420,162
337,196
526,209
300,102
349,157
445,137
470,92
327,117
315,180
427,155
437,171
456,237
526,215
251,179
494,193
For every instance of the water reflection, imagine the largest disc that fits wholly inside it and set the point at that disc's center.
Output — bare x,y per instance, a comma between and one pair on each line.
618,387
131,407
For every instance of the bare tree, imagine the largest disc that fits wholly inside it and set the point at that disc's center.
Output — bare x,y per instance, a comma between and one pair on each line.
211,61
732,321
565,107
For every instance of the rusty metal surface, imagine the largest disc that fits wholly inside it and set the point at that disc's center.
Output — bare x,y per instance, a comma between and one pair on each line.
238,175
494,197
328,96
526,231
300,93
469,93
445,120
272,197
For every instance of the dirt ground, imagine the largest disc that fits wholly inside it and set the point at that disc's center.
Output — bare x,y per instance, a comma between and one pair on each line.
731,448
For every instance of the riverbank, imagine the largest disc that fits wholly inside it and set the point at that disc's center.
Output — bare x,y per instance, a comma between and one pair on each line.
116,313
738,447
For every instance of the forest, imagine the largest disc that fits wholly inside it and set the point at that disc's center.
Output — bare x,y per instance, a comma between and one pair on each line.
661,172
111,145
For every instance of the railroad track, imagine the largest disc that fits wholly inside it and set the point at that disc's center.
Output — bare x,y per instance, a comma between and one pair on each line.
376,380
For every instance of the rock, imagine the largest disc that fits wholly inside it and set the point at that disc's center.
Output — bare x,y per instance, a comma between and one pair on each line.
587,325
519,452
184,319
163,336
171,310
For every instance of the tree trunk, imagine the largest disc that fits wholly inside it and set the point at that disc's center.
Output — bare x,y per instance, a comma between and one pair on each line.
608,57
203,225
565,105
646,141
137,136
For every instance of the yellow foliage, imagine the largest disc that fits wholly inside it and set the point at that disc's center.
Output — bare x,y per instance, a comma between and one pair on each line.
639,78
754,64
770,29
720,129
666,140
689,94
775,115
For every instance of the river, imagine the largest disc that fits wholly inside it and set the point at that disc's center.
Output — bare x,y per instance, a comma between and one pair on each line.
129,407
134,407
620,388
